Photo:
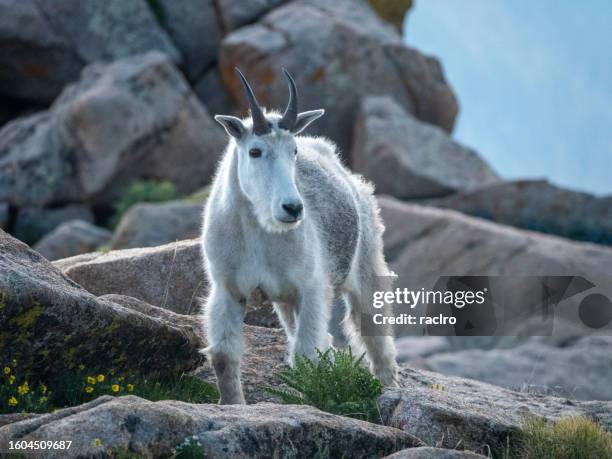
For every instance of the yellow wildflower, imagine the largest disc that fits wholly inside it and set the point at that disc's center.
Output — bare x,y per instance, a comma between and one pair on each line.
89,389
13,401
7,370
121,378
81,367
23,389
43,388
115,387
112,372
14,362
97,442
91,380
100,378
130,387
11,379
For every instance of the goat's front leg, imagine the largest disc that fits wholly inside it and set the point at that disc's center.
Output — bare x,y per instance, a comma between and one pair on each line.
224,322
312,322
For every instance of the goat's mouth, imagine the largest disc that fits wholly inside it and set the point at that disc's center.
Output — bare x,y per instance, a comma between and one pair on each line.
276,225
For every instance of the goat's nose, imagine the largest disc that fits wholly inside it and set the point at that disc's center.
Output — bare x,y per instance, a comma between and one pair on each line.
294,209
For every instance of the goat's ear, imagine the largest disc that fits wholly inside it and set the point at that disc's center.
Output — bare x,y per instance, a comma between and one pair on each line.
305,118
232,125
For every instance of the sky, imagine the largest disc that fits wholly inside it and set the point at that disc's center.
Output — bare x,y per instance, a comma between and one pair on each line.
534,83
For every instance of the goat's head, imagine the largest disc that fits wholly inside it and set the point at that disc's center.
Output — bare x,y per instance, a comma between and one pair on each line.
267,150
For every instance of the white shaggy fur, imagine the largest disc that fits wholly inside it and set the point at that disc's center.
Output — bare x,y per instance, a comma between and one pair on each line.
253,249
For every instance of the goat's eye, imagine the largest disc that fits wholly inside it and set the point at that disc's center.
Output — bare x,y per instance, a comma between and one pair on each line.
295,151
254,152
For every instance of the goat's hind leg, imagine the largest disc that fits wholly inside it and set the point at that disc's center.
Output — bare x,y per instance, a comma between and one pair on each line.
224,322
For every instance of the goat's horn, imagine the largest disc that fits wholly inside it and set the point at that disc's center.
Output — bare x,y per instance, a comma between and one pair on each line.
290,116
260,124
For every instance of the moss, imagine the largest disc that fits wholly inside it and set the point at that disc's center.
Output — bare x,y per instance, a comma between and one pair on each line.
29,318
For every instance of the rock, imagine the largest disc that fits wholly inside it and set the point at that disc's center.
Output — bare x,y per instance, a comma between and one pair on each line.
210,90
407,158
195,30
32,223
337,52
411,348
72,238
155,429
454,412
442,241
43,313
537,205
34,170
44,43
235,13
84,150
579,370
428,452
170,276
149,225
4,215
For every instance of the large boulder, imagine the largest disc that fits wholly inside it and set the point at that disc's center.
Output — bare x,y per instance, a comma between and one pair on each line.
32,223
580,370
537,205
45,43
169,276
153,224
43,313
136,117
444,242
337,52
155,429
72,238
453,412
408,158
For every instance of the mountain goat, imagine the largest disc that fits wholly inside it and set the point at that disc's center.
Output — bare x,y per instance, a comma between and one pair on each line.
287,222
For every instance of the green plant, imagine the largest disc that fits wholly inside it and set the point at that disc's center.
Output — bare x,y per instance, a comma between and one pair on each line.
191,448
336,382
17,394
568,438
143,191
83,385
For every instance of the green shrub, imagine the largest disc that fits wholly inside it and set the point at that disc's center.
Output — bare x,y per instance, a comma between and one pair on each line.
336,383
191,448
569,438
143,191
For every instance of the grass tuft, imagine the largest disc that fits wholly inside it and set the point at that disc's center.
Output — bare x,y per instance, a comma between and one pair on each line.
337,383
568,438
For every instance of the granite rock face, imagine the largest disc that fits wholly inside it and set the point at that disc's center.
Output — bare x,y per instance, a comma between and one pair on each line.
337,52
72,238
133,118
155,429
44,313
410,159
153,224
539,206
44,44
